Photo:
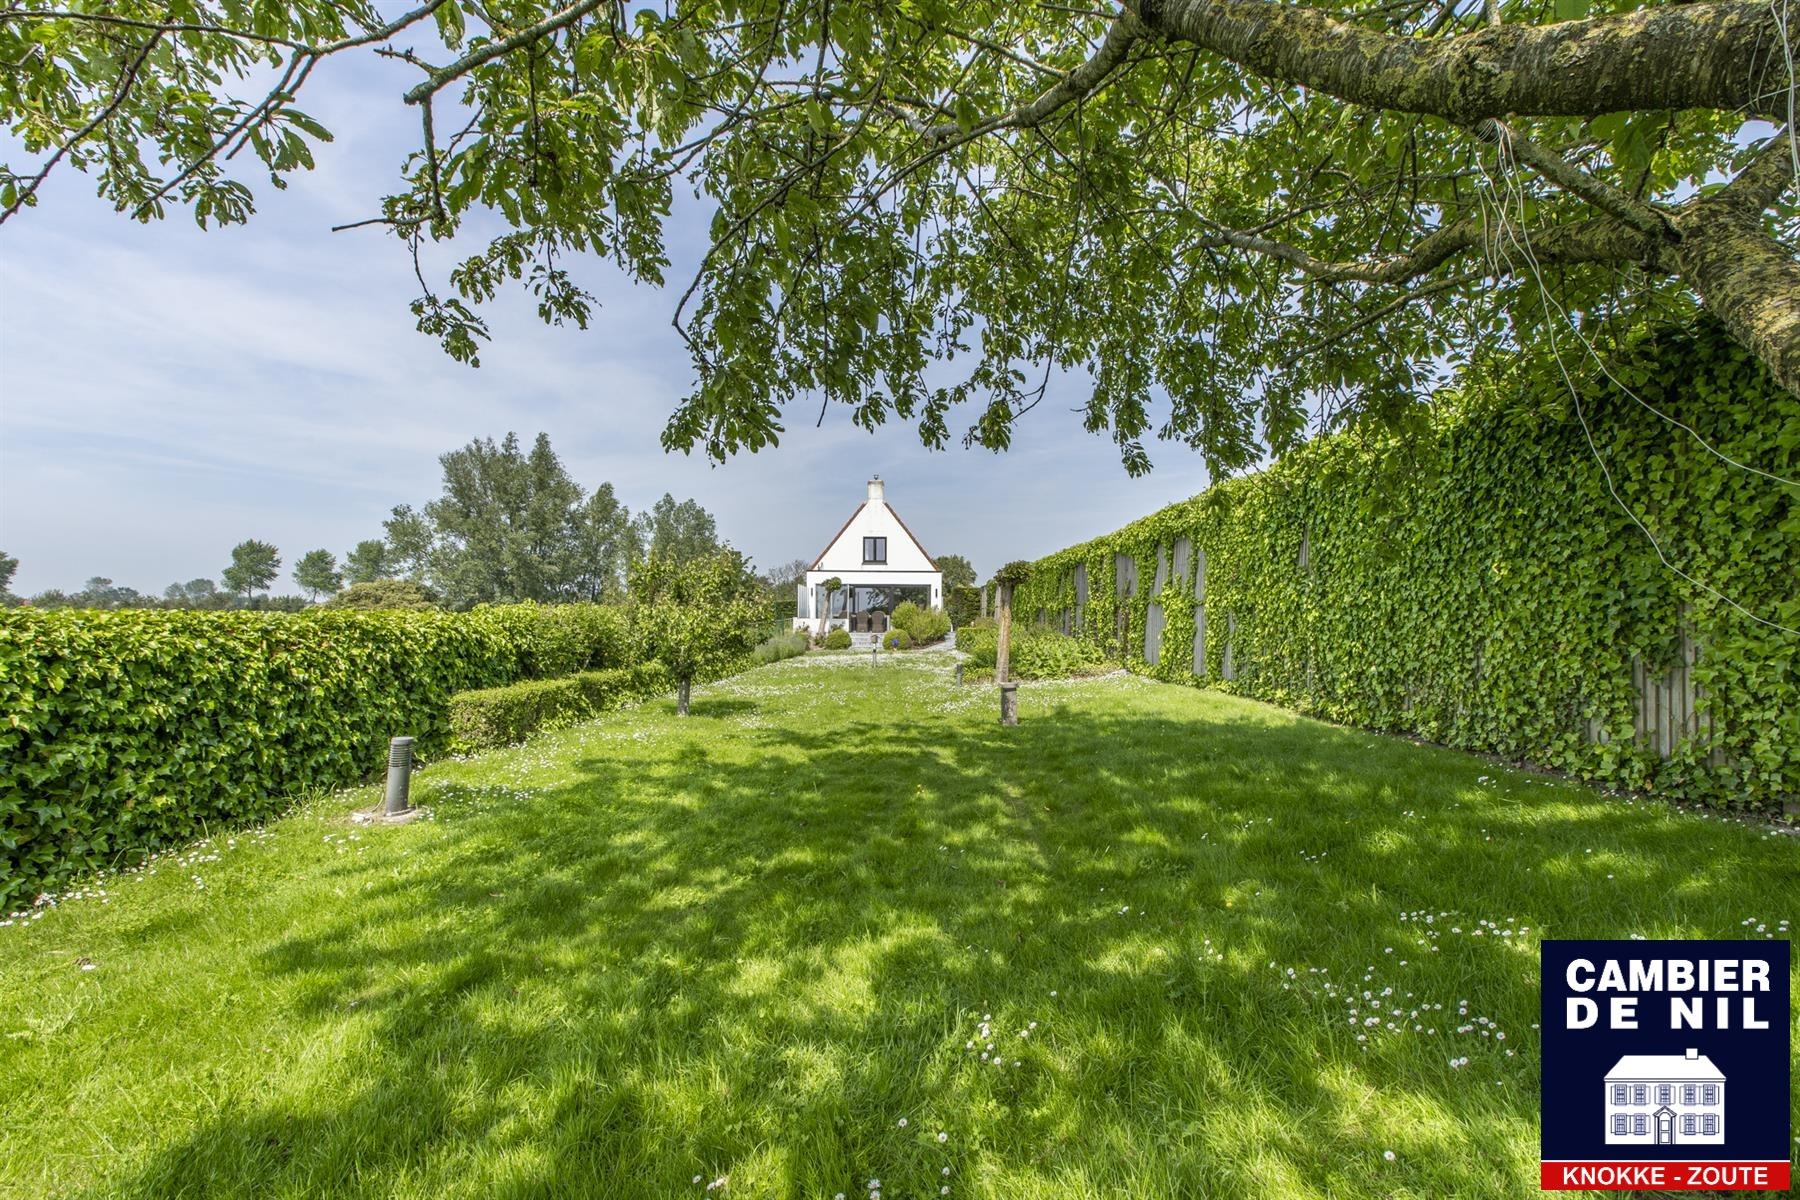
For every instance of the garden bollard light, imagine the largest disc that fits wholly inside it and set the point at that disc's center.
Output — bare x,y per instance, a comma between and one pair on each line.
873,651
959,674
1009,704
399,777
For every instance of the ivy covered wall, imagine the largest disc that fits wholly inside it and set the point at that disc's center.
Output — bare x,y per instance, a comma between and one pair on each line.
1472,580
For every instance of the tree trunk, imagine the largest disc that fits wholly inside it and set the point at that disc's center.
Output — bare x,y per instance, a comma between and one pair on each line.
1003,645
681,697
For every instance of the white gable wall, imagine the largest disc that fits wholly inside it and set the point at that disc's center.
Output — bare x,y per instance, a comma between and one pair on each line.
874,519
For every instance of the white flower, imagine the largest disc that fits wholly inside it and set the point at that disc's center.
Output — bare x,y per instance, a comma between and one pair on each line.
1388,1154
903,1122
697,1179
944,1137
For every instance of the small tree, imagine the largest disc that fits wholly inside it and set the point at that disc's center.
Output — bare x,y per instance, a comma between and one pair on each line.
316,572
693,617
8,565
832,587
253,568
1007,578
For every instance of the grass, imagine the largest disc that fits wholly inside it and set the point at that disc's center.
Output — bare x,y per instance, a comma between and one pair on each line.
1218,950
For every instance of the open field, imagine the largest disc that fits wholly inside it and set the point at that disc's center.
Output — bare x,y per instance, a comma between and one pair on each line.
1216,949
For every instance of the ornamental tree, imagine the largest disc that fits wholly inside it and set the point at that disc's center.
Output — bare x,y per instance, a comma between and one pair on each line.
1226,212
694,617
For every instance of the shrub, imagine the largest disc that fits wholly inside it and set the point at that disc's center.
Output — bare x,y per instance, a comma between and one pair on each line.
962,605
503,716
837,639
1037,652
385,593
132,730
782,645
922,625
896,639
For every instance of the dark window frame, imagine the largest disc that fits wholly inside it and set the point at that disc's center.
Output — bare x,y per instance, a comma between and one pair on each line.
875,550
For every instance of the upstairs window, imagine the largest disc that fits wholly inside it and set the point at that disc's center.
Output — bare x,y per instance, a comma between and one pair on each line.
1665,1093
1709,1094
1619,1096
875,550
1690,1094
1640,1094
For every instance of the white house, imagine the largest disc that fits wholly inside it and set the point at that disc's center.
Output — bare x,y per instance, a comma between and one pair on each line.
879,562
1665,1099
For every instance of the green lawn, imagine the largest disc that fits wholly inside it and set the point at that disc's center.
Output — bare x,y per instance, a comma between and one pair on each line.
1217,950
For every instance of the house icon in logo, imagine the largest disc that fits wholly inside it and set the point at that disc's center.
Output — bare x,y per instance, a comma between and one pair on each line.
1665,1099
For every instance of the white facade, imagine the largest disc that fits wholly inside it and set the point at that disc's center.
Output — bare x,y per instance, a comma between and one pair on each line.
880,563
1665,1099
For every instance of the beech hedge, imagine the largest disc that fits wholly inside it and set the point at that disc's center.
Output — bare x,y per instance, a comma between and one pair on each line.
500,716
122,732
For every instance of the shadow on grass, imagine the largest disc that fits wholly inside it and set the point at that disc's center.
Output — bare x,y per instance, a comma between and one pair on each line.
754,956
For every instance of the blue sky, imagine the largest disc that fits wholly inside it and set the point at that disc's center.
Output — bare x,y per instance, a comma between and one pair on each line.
167,392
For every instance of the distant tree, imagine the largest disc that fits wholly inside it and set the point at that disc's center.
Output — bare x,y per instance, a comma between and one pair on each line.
958,571
195,593
317,572
783,578
678,532
409,539
367,562
8,567
101,592
694,616
253,568
505,526
605,543
384,593
52,598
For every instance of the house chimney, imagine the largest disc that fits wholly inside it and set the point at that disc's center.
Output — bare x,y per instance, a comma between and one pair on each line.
877,491
1693,1053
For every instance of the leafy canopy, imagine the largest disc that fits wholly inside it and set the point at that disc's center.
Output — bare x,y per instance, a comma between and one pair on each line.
1226,216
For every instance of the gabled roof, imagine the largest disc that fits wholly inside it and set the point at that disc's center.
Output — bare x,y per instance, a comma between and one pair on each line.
1665,1066
898,519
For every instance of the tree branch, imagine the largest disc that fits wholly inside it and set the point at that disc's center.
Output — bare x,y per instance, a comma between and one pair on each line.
1723,54
1572,179
499,48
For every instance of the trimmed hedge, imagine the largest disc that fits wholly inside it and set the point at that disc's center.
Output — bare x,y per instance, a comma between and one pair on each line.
1474,580
133,730
503,716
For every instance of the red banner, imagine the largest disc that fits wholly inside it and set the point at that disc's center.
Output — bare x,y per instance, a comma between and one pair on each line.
1664,1176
